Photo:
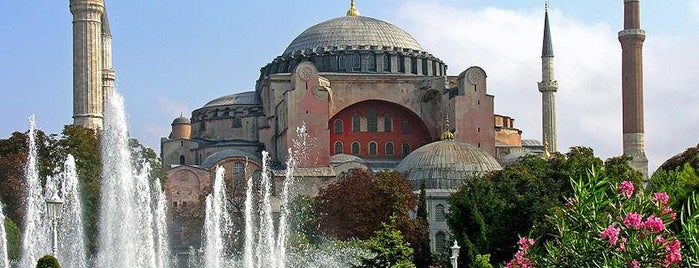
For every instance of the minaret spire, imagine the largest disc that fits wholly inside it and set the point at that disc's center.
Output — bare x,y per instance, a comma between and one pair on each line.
353,10
631,39
548,86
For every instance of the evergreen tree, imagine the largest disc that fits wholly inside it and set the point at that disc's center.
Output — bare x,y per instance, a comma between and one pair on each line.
423,255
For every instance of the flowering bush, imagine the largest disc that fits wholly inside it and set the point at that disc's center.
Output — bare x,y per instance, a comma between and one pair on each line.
607,225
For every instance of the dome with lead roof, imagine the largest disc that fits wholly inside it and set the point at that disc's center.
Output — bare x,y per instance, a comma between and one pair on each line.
353,31
446,164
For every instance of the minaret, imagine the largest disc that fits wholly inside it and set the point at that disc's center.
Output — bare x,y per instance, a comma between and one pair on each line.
87,62
631,39
548,86
108,73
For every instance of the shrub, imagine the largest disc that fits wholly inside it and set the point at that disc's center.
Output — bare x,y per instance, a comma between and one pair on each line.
48,261
607,224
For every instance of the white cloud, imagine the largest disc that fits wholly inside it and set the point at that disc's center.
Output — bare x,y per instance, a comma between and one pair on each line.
507,44
170,109
695,6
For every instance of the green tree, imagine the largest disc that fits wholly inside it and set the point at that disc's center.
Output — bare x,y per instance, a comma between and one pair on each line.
388,249
14,240
468,226
423,254
48,261
304,220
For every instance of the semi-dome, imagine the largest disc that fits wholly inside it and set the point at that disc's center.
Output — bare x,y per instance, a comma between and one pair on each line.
445,164
353,31
244,98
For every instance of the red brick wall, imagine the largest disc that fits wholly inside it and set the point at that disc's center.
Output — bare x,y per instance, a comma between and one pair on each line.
417,134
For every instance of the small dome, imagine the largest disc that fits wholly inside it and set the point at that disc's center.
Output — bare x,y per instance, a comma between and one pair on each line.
353,31
445,164
181,121
244,98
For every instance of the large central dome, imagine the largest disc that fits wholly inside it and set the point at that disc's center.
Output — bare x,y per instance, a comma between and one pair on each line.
353,31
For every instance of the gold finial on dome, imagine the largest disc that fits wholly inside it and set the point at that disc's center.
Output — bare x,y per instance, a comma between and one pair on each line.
447,135
352,11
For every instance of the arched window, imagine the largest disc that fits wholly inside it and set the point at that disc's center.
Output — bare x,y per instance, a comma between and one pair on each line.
413,65
371,62
371,120
440,241
356,62
439,212
338,148
238,172
389,148
406,126
406,149
386,63
387,123
355,123
342,62
182,160
355,148
424,67
256,179
372,148
338,126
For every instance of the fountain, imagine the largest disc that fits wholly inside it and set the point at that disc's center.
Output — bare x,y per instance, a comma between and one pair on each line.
71,251
4,263
265,244
35,242
131,233
216,223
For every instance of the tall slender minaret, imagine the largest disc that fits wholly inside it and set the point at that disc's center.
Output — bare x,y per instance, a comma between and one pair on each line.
92,62
548,86
108,73
631,39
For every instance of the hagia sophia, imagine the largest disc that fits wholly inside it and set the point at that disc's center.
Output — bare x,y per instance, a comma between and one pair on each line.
366,95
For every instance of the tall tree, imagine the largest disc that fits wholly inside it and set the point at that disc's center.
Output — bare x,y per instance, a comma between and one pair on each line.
357,204
423,254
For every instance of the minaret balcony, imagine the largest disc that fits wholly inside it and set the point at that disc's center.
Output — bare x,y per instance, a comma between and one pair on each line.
632,33
546,86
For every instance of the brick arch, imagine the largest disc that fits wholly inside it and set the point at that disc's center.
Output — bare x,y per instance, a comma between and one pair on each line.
417,131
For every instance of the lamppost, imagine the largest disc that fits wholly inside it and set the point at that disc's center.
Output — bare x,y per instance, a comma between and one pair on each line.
454,254
54,207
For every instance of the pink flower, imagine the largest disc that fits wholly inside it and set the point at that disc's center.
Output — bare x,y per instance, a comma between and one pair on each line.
622,245
661,198
634,220
654,223
673,253
626,189
659,240
634,264
611,233
525,243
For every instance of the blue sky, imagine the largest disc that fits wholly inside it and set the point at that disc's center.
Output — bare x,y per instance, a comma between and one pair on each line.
174,56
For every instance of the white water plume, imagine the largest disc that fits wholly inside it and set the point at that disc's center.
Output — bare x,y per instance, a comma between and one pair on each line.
126,229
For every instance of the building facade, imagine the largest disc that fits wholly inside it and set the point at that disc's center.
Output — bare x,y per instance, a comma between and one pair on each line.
366,95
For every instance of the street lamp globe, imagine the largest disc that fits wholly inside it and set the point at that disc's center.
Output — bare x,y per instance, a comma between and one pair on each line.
54,207
455,254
